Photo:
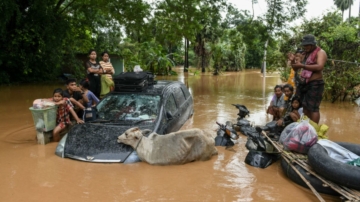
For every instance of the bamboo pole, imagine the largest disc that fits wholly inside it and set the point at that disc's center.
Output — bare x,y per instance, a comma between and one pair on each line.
334,186
305,180
293,167
343,192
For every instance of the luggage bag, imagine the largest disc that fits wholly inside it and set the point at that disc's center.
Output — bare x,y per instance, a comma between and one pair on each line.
131,88
133,81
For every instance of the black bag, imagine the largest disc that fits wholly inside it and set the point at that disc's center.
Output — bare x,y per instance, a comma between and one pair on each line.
133,81
131,78
131,88
151,78
260,159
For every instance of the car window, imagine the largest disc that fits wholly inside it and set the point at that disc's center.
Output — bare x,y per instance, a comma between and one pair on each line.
185,91
170,105
179,96
129,107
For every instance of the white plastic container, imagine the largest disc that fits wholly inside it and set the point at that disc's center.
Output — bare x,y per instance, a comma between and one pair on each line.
44,119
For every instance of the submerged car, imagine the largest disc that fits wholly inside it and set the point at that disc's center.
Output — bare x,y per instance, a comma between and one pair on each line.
162,108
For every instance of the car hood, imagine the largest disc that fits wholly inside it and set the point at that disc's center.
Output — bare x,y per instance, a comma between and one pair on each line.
98,143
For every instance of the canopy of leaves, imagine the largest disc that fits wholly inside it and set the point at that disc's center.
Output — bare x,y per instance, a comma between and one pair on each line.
41,39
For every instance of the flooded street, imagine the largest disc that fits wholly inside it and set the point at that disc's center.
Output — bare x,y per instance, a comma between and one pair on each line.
32,172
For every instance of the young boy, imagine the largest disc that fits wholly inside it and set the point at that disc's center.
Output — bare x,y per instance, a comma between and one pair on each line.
63,115
76,96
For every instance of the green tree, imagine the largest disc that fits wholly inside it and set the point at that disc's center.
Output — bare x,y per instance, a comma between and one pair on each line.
343,5
279,14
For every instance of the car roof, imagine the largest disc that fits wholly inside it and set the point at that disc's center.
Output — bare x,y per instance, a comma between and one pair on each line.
155,89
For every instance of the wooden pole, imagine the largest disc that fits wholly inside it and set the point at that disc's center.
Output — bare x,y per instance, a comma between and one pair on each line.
344,192
293,167
305,180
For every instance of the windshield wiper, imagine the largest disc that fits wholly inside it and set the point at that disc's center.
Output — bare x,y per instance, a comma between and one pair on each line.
105,121
137,122
126,122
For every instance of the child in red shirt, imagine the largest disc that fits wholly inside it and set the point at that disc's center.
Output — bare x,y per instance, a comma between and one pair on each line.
63,115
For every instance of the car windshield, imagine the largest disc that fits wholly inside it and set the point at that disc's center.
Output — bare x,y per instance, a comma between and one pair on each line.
134,107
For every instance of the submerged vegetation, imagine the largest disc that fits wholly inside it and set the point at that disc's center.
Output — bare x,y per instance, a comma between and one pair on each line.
41,39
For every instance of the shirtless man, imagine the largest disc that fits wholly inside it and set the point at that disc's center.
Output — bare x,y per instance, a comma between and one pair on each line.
310,83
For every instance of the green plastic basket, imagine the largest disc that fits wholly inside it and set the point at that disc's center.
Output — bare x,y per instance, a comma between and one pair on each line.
44,119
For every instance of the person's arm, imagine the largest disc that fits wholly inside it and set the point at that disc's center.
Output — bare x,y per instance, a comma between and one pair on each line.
61,102
112,70
95,99
319,66
95,71
295,115
291,57
84,97
76,103
75,116
280,122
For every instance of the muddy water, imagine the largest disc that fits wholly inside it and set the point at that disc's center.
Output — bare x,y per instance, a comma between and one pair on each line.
31,172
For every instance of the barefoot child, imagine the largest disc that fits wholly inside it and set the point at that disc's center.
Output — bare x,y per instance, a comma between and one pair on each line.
63,116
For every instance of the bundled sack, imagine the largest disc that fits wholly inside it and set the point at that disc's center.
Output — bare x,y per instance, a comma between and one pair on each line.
260,159
321,129
299,137
43,103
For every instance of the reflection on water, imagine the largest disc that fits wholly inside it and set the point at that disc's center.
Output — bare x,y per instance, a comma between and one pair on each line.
31,172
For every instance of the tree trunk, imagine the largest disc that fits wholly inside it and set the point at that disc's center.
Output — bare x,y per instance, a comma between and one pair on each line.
187,54
264,66
170,56
349,12
203,57
186,62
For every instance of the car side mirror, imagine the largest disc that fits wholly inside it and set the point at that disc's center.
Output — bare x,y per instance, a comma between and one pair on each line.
169,116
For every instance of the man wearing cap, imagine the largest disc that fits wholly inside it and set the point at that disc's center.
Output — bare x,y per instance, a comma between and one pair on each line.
309,77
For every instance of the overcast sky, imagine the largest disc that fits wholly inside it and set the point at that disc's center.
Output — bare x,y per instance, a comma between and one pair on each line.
315,8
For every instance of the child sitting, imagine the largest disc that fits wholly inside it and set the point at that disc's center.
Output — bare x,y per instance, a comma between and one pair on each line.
292,115
296,105
63,116
277,103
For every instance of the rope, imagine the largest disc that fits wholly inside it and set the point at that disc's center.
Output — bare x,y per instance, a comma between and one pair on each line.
344,61
138,143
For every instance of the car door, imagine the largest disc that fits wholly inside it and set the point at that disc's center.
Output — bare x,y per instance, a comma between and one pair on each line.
170,113
182,115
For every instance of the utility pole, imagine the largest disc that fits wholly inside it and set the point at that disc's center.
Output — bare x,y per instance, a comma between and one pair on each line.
264,64
359,21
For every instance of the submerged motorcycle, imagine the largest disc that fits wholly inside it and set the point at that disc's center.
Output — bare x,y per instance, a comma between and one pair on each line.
261,152
226,135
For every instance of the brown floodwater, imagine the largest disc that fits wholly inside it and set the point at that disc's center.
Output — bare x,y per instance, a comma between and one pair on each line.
32,172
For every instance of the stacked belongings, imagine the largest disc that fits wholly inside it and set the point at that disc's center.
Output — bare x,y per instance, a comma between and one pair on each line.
261,152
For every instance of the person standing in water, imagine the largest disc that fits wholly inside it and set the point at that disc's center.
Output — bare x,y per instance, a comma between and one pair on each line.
94,70
310,81
107,83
